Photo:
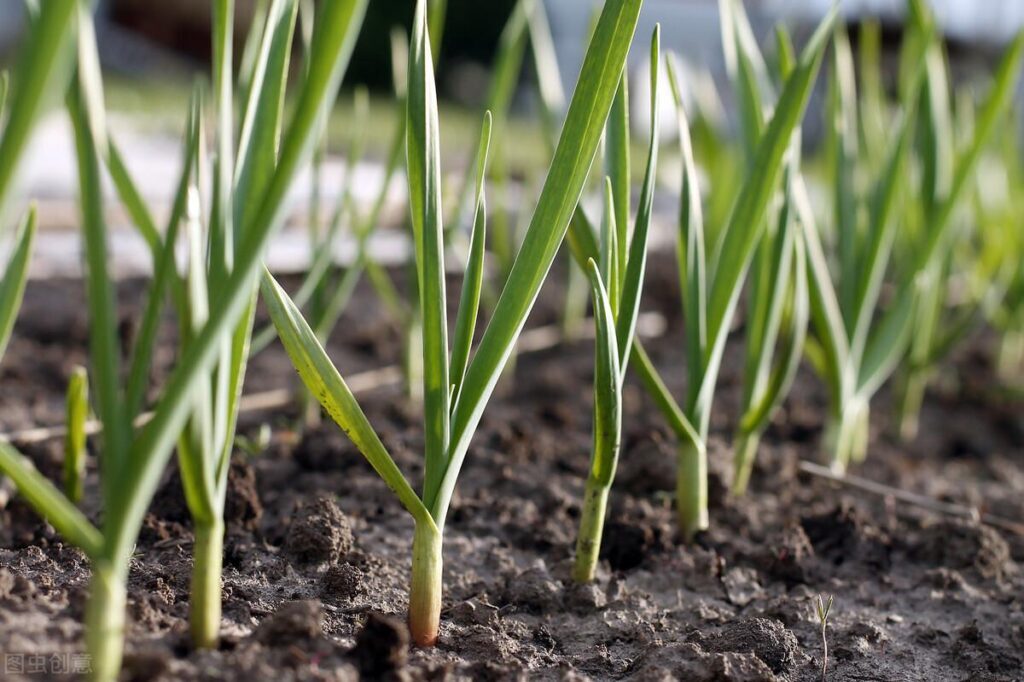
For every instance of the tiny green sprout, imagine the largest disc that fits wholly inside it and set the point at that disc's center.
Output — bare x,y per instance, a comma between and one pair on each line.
255,445
822,608
77,412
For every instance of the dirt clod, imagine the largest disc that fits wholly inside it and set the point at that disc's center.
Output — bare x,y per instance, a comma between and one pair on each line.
964,545
769,640
688,661
242,505
382,648
294,622
585,598
625,544
341,582
534,590
788,555
320,532
845,532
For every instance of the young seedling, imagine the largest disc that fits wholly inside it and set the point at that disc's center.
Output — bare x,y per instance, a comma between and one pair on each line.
133,459
777,300
455,398
616,308
822,609
939,325
857,346
77,412
711,284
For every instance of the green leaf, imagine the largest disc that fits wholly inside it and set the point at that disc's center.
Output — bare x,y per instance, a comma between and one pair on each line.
437,14
49,502
636,263
423,151
570,166
843,131
263,113
881,231
826,315
785,52
221,229
551,94
617,168
197,440
690,252
995,104
607,385
747,71
747,220
76,408
105,348
886,346
332,46
505,71
790,350
40,75
165,274
12,284
133,202
250,50
472,279
768,297
609,263
322,379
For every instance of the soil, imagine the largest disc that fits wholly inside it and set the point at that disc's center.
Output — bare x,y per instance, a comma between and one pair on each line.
317,551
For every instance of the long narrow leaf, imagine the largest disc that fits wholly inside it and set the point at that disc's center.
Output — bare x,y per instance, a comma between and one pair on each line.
691,257
332,47
105,348
50,502
40,75
12,284
607,385
323,380
617,168
423,150
573,157
747,220
472,280
636,262
165,273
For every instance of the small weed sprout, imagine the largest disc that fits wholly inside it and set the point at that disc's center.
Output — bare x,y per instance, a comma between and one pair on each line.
823,608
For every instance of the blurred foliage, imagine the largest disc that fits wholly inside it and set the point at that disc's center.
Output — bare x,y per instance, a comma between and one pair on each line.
470,34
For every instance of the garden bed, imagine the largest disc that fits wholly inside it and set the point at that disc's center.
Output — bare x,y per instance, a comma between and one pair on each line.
317,552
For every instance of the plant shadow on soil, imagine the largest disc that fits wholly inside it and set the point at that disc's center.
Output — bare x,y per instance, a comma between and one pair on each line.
317,552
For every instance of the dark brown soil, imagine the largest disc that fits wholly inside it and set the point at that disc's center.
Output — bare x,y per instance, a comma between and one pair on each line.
317,553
